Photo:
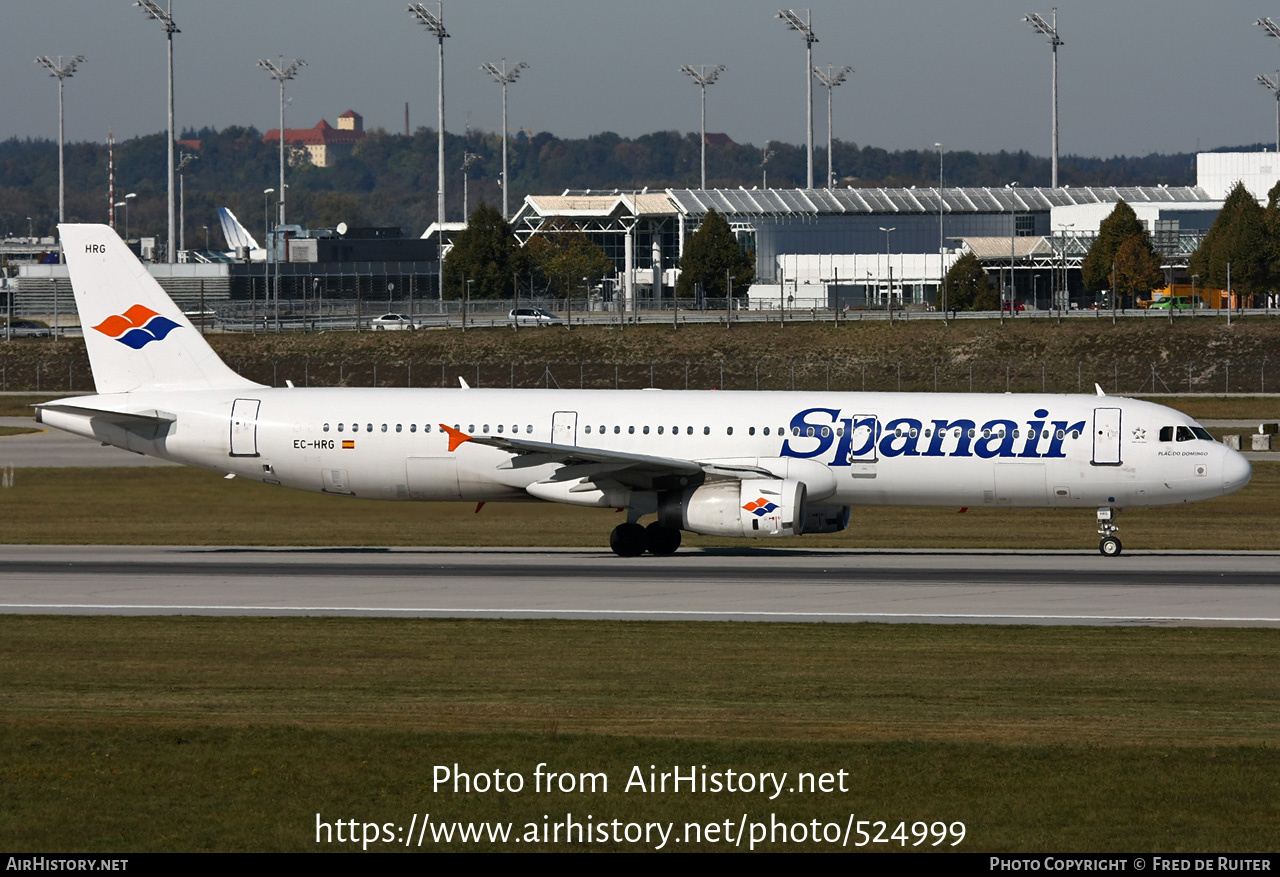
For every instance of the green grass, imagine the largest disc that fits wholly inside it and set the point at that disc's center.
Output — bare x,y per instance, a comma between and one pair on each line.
18,430
189,506
231,734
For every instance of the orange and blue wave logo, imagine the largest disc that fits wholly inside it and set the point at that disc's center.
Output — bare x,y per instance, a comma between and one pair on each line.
760,507
137,327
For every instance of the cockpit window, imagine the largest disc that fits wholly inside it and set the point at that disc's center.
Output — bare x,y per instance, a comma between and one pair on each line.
1202,433
1185,434
1166,433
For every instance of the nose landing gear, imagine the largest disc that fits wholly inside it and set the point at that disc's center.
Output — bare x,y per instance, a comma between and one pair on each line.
1109,546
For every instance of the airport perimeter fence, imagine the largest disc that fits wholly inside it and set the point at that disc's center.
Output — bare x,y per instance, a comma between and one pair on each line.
62,374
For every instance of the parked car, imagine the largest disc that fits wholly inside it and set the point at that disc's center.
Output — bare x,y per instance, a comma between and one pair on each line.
1177,303
533,317
1018,307
27,329
393,323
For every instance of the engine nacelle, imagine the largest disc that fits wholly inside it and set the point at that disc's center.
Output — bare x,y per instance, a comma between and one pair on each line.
826,518
751,507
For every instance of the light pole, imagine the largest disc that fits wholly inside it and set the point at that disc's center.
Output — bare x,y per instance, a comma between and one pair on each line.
1064,294
942,247
31,231
1274,86
165,17
806,30
187,158
469,160
127,199
281,73
1039,25
889,265
505,77
266,264
206,237
830,80
765,155
60,72
703,78
1013,230
434,23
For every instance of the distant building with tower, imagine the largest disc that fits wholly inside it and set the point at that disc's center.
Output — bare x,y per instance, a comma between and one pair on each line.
322,145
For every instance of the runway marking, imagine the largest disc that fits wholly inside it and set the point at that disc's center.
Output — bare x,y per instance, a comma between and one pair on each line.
710,613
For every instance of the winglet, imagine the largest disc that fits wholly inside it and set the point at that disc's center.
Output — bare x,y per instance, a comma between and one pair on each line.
462,383
456,437
1098,388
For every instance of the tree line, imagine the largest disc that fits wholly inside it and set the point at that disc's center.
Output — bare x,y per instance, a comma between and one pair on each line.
390,180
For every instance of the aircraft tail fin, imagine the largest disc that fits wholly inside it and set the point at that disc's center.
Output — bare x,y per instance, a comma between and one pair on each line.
236,234
137,338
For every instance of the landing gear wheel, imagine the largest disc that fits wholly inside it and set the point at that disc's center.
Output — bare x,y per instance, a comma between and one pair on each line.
628,540
663,541
1110,547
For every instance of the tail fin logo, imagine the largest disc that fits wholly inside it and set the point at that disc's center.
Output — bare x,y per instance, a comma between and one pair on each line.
137,327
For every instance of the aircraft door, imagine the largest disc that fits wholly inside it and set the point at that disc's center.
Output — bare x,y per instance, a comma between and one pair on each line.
1106,436
244,427
564,428
863,443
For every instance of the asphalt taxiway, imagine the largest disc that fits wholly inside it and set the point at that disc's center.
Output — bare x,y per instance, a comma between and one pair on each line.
1077,588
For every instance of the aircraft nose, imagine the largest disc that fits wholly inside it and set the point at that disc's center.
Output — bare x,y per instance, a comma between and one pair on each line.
1236,471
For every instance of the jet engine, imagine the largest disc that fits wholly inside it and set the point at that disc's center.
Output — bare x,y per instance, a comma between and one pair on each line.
750,507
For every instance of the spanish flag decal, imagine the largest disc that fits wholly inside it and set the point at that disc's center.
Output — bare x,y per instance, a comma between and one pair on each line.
348,444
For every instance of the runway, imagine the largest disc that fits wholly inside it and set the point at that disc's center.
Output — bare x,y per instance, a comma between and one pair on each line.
750,584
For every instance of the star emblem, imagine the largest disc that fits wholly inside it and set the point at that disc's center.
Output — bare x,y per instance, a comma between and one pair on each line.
1140,434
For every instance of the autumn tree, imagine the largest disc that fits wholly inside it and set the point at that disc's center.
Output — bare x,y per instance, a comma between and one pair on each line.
1238,238
486,252
968,288
711,257
1124,243
562,256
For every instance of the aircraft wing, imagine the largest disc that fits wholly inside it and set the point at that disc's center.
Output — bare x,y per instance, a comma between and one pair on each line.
578,461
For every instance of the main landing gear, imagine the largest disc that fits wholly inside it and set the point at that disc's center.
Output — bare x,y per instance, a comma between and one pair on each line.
633,540
1109,546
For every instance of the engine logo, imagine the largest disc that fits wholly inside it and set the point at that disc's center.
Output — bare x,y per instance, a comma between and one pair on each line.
760,507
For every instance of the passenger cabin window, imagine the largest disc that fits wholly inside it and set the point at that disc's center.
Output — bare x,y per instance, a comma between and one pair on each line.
326,427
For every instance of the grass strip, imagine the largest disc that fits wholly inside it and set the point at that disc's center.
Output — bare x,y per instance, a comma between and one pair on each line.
233,733
172,506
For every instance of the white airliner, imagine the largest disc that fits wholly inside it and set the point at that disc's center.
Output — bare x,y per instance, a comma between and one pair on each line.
750,464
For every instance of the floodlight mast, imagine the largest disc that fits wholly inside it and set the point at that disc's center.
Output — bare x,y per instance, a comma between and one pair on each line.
1039,25
504,77
1274,86
165,17
704,78
469,160
60,71
830,79
806,30
281,73
434,23
1272,30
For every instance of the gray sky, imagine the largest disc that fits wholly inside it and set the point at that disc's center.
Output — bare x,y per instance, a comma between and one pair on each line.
1135,77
